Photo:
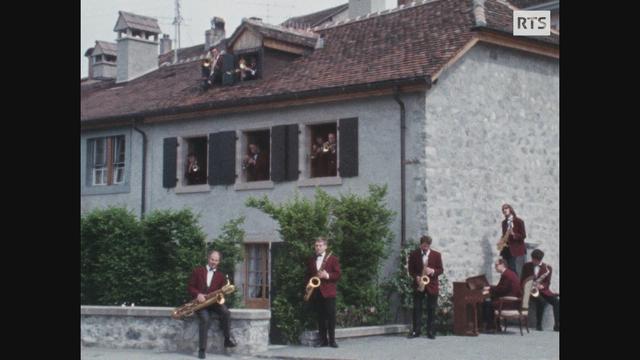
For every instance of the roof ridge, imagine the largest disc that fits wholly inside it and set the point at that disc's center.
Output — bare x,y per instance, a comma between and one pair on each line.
376,14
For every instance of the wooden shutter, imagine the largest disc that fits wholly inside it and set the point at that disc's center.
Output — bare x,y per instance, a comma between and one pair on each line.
278,153
292,152
169,162
348,147
228,69
222,158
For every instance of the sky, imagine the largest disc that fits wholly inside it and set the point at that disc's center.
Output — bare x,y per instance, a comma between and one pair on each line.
98,17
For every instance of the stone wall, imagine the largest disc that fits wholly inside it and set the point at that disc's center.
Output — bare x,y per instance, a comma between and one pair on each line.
153,328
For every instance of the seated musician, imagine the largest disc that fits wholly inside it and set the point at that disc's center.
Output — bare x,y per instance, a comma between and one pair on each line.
541,273
509,285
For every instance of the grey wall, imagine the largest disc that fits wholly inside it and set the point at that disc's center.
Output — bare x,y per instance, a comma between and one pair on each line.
136,57
491,136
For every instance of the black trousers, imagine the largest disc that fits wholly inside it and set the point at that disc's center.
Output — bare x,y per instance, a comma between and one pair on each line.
326,313
204,317
541,303
432,303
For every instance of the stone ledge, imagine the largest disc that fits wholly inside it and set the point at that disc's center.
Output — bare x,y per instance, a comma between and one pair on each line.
156,311
312,337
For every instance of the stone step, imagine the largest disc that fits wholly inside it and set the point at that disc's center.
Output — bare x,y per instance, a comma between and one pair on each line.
311,338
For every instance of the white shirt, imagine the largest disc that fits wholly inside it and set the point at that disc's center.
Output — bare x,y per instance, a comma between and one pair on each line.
210,272
425,257
319,261
536,270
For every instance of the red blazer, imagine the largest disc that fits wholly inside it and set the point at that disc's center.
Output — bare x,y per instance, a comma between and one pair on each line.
332,266
516,241
509,285
198,281
528,270
434,261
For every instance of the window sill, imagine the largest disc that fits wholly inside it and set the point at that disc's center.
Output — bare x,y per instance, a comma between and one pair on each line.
188,189
254,185
320,181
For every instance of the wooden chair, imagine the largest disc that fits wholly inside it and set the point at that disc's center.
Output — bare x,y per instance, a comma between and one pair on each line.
521,314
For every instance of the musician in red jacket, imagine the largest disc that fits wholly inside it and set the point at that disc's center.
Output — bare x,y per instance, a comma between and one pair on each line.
516,249
541,273
204,280
326,266
424,259
509,285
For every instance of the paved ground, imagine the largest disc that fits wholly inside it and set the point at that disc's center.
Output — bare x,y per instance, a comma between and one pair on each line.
508,346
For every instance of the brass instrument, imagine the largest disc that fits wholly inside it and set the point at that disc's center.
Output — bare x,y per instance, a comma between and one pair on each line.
327,146
424,280
192,306
534,285
504,240
315,281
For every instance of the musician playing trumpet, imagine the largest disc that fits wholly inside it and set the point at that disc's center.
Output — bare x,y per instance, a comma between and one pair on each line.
424,261
204,280
325,266
541,273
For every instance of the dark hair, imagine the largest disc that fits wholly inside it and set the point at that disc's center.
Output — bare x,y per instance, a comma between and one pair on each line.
323,239
501,261
212,251
426,239
537,254
510,208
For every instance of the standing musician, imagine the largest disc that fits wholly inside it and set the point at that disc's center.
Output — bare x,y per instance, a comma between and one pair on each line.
424,261
330,150
327,268
513,233
541,273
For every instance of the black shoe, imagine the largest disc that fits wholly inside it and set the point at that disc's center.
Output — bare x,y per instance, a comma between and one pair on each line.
229,343
322,344
201,354
431,335
539,327
413,334
333,344
556,328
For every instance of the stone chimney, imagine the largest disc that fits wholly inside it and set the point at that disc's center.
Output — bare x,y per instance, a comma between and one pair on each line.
165,44
364,7
104,60
137,45
88,54
213,36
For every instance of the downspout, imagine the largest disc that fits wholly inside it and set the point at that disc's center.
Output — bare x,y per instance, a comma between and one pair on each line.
144,169
403,127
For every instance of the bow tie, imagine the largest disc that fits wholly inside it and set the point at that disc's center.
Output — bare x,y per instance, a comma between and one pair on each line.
424,253
317,256
212,270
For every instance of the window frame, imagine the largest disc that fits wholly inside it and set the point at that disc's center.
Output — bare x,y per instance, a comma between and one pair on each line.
264,301
181,158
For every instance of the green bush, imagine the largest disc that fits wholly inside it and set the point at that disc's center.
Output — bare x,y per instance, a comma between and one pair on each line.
401,283
113,258
358,228
177,244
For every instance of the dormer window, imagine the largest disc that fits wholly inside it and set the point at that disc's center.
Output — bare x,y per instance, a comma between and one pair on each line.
247,66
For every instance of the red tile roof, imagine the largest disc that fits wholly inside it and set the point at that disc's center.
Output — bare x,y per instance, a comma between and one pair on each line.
408,43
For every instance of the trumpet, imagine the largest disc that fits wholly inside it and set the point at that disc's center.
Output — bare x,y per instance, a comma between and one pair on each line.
314,282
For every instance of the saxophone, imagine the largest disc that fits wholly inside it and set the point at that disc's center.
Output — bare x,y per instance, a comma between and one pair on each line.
215,297
424,280
534,285
504,240
315,281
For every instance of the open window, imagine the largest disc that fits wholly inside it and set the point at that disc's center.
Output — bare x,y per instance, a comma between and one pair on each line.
255,157
248,65
107,160
195,161
323,150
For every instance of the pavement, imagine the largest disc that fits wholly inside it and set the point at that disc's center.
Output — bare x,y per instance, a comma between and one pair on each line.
536,345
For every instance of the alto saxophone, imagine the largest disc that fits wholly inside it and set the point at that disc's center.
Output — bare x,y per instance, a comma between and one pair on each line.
216,297
315,281
534,285
424,280
504,240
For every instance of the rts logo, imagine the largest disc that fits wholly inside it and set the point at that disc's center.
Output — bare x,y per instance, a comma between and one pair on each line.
531,23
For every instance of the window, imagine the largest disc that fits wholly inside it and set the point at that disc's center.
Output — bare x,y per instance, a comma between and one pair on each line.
323,150
246,66
256,275
107,159
110,58
256,156
195,160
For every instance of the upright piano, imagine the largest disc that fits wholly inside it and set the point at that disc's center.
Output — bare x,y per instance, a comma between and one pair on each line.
467,304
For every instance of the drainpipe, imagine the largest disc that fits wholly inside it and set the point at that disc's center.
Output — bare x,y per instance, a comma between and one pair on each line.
144,169
403,127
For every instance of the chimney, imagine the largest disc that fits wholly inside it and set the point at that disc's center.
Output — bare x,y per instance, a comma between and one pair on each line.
88,54
213,36
364,7
104,59
405,2
137,45
165,44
